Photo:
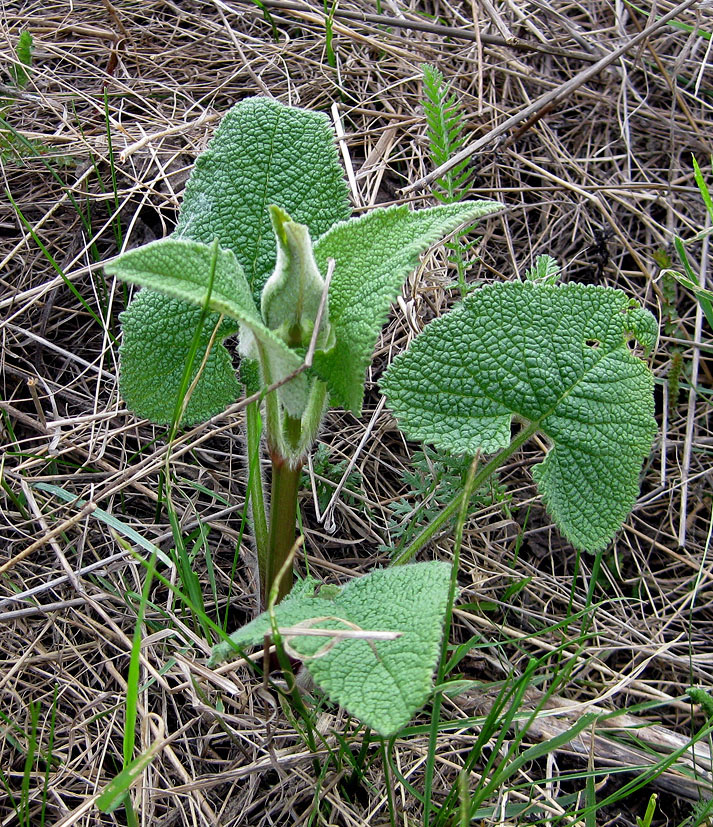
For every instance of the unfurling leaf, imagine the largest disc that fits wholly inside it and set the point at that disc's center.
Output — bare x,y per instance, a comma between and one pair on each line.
292,295
556,357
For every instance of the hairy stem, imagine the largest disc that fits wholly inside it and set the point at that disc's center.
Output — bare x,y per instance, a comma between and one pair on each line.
255,486
427,533
283,518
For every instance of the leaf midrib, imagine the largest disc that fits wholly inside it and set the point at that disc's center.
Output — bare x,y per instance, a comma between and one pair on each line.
263,207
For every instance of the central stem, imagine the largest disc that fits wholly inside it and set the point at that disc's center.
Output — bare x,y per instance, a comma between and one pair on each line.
283,516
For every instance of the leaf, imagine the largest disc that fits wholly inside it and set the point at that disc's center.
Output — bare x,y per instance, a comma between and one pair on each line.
445,120
182,269
292,295
158,331
263,153
546,270
373,255
23,54
553,356
385,685
114,794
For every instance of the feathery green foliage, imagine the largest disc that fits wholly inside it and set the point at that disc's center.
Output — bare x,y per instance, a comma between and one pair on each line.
445,121
23,53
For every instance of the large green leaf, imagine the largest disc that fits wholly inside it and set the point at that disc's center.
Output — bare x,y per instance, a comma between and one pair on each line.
262,153
554,356
373,255
382,682
158,331
184,269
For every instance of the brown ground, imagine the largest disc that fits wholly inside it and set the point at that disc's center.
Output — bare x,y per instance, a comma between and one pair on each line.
596,171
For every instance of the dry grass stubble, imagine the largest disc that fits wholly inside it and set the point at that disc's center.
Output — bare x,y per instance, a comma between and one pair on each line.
600,179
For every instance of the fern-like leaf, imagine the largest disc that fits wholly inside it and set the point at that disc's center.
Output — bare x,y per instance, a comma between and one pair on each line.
444,119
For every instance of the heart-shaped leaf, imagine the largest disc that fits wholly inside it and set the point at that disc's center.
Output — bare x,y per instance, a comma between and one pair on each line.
381,682
556,357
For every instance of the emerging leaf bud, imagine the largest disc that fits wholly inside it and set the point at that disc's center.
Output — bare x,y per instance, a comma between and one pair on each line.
292,295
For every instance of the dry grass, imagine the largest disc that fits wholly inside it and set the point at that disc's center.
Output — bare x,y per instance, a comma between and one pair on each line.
600,180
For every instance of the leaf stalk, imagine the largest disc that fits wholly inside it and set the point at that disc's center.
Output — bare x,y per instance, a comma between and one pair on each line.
486,471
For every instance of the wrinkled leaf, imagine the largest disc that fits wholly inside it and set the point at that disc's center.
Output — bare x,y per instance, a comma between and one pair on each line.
383,683
373,256
554,356
263,153
182,269
158,331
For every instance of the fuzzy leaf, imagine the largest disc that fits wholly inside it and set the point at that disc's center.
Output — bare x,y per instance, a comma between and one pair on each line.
291,296
554,356
383,688
158,332
182,269
263,153
373,255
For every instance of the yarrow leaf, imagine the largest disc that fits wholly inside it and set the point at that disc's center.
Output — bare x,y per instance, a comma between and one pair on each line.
373,255
381,682
446,122
557,357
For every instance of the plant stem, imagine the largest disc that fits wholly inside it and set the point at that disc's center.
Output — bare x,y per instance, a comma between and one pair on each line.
489,468
441,674
283,517
255,488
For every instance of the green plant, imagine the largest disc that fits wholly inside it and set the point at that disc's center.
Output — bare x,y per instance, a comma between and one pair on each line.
23,53
445,123
268,184
556,357
434,479
688,278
